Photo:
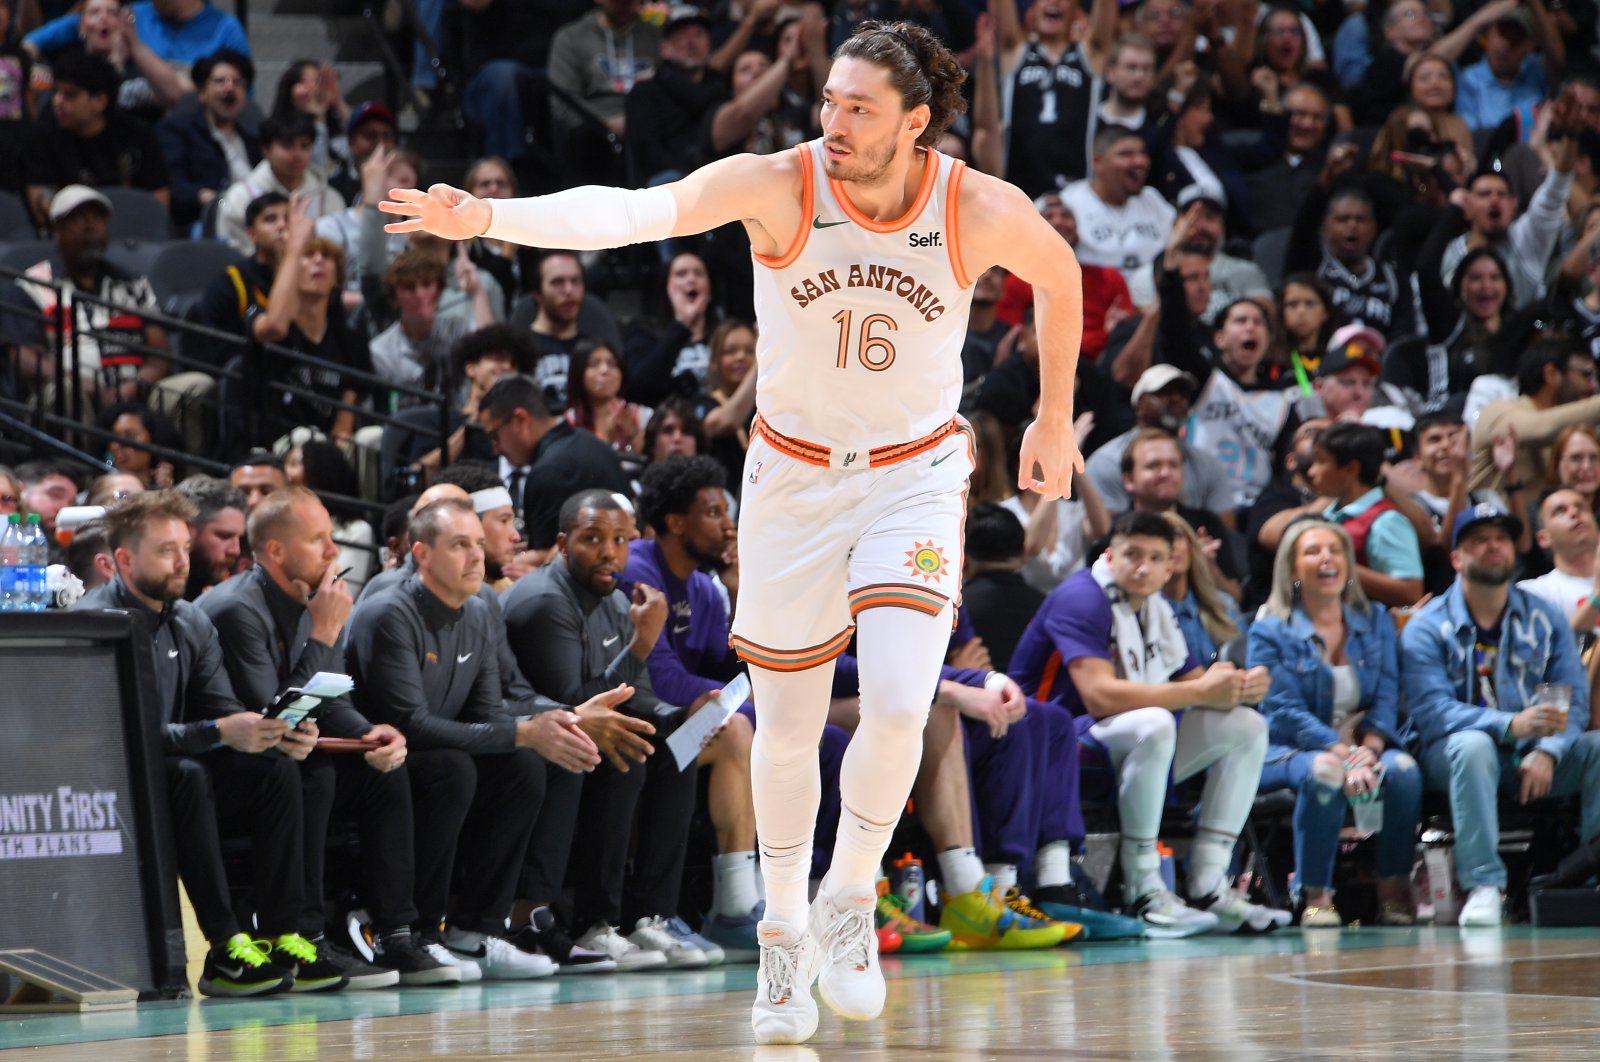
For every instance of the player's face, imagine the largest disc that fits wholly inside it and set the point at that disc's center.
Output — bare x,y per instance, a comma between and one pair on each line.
707,527
864,121
500,538
596,548
1140,564
1320,566
158,567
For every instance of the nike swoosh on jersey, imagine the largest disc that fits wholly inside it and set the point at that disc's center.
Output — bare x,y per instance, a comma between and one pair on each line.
173,653
680,630
937,461
611,640
462,659
818,223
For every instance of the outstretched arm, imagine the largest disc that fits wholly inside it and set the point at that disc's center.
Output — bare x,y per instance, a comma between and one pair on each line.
1003,229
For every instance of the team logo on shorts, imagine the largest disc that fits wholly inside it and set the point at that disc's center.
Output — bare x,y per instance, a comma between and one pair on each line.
927,560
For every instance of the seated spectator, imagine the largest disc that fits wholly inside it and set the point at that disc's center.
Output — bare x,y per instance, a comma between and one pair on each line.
111,488
1283,63
595,60
285,168
219,773
216,532
1332,718
259,475
415,350
1431,85
560,460
277,626
463,280
1568,531
1203,206
1279,180
559,296
309,91
1122,222
180,31
595,385
1161,399
1207,615
16,99
1189,153
1305,309
1106,647
370,126
107,369
1408,30
10,492
476,783
664,112
1473,659
575,633
89,555
228,299
86,140
1556,384
149,84
675,429
1106,302
1575,463
47,487
766,110
327,473
514,267
206,148
674,358
730,399
382,168
134,423
985,330
1346,387
1346,465
504,44
1517,45
303,315
684,502
994,596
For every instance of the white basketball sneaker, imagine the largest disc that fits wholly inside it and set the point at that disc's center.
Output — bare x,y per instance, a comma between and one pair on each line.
784,1012
1482,907
851,981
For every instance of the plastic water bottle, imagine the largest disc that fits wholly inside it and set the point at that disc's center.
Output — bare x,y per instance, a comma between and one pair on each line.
33,559
906,879
10,558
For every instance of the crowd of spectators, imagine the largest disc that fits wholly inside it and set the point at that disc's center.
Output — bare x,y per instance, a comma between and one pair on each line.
1337,394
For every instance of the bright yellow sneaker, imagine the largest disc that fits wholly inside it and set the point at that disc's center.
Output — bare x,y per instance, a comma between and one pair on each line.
986,918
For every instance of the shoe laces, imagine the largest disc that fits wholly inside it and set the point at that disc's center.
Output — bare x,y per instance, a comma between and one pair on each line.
654,933
1018,904
254,953
849,939
299,947
781,969
497,950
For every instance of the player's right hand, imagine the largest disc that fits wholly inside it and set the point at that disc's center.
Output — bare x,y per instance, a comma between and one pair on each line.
442,210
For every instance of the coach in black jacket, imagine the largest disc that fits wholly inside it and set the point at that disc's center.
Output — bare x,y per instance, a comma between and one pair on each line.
423,658
215,767
279,624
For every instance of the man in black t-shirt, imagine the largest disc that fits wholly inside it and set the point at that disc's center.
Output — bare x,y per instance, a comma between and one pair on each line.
555,329
231,295
86,140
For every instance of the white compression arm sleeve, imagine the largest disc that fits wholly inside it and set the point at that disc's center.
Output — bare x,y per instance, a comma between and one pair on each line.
589,218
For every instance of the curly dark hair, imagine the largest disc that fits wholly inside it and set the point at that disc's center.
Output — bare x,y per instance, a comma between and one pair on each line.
671,486
471,476
920,68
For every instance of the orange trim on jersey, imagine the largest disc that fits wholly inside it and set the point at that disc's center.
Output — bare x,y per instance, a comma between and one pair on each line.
897,595
807,204
1047,681
790,659
929,175
809,452
892,453
897,452
952,222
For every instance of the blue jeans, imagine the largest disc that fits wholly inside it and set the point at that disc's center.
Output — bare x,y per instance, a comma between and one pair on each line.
1474,770
1319,812
493,102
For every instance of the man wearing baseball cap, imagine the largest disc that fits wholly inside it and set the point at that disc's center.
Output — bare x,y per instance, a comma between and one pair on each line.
370,127
665,113
1161,399
1203,215
1474,659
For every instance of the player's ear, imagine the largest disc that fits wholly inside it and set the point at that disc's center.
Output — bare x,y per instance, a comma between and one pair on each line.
917,119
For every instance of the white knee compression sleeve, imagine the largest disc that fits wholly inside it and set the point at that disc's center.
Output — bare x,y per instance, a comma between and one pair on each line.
588,218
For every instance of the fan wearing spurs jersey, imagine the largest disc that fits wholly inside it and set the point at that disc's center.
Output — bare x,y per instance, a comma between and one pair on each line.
866,243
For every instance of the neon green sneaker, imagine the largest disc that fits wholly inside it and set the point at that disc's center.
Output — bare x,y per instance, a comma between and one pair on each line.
915,937
312,972
986,918
240,966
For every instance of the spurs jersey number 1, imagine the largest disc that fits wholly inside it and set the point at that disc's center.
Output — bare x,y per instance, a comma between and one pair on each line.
862,321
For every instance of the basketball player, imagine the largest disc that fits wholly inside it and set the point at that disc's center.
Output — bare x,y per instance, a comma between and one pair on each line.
868,242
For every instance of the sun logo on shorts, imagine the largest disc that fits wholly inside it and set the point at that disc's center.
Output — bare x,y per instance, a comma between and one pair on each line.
927,560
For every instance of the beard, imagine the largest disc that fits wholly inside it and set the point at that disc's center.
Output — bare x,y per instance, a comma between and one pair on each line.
166,588
1485,574
865,166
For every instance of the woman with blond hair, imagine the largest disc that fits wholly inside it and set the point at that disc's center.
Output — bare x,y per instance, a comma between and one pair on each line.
1332,717
1208,617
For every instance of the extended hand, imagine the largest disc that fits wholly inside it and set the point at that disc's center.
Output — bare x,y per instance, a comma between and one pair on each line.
442,210
1051,444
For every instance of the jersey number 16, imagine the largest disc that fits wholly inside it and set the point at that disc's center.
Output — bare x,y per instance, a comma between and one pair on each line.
875,352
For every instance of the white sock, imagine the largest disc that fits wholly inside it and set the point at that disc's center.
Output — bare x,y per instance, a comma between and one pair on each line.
1209,857
1004,875
961,870
1053,865
734,893
1141,868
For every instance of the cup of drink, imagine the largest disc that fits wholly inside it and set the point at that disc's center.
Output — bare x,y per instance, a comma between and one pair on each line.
1556,696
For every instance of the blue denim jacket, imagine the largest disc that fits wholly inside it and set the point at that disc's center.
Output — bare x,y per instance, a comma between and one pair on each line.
1299,706
1535,646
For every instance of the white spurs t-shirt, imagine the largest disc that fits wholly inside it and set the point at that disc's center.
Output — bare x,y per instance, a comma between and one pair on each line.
1126,237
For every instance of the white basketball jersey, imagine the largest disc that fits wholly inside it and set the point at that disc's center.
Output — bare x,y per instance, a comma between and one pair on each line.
862,322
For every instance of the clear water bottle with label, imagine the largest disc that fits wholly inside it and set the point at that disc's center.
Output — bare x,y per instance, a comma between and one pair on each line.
10,562
34,558
906,881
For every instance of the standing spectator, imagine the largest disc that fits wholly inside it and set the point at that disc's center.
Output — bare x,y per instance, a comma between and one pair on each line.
1333,718
1556,385
1567,529
665,112
1473,658
285,168
206,148
1517,47
86,140
1122,223
180,31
